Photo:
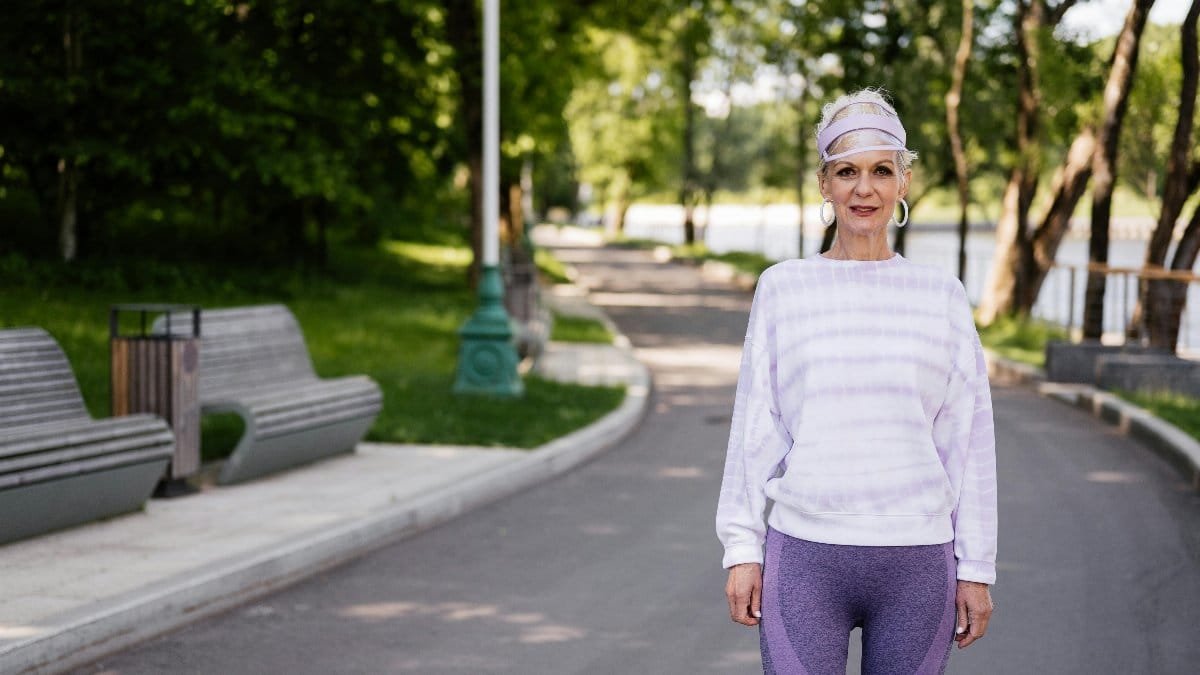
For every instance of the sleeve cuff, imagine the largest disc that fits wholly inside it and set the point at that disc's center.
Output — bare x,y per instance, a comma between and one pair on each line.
976,570
742,553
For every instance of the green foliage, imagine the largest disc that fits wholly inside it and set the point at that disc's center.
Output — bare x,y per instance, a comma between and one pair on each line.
550,267
1181,411
1021,338
1152,114
624,120
219,435
578,329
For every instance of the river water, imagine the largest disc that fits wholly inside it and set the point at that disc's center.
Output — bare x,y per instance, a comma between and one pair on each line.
773,231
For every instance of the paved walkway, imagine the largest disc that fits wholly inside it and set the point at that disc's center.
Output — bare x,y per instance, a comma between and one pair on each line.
70,596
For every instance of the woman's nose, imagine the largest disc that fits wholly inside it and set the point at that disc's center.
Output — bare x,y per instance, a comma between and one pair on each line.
863,185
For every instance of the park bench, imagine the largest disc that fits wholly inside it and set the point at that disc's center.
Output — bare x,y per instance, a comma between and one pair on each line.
58,466
254,362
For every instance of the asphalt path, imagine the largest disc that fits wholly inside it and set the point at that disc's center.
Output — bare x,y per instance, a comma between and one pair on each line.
614,567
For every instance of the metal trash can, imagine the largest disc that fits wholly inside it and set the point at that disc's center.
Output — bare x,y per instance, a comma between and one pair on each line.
157,372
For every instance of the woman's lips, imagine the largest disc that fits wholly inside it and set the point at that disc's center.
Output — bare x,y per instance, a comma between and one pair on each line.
863,211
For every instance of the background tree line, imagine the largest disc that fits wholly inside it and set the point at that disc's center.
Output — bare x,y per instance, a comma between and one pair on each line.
266,130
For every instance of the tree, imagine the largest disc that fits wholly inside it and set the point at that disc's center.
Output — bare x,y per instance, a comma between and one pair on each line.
953,101
1022,255
1163,298
622,126
1122,69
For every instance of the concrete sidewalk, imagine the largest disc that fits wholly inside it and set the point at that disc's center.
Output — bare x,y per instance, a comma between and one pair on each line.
70,597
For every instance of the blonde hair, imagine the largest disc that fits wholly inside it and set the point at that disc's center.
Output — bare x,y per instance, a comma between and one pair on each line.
862,102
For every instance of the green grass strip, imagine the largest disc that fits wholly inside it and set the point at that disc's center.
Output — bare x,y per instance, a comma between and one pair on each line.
743,261
550,267
391,312
1178,409
579,329
1021,338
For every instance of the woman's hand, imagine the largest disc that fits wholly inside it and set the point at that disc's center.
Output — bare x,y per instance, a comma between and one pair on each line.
974,603
744,591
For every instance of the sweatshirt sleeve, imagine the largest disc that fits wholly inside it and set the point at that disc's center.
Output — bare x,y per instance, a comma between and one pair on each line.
964,434
758,441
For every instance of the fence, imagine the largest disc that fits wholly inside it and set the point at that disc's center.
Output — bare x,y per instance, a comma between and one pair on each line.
1063,301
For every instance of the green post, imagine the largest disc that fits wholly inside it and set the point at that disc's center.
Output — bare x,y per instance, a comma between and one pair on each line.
487,360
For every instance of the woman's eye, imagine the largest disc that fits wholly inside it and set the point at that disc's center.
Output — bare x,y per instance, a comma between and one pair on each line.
883,171
846,172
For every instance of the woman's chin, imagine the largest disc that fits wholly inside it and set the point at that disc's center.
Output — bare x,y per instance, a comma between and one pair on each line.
861,227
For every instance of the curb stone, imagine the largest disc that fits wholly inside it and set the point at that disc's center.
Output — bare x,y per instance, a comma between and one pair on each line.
1166,440
83,636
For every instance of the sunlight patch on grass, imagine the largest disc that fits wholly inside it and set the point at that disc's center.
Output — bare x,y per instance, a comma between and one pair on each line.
1021,338
430,254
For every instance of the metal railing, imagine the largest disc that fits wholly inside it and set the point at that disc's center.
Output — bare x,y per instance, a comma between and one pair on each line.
1063,301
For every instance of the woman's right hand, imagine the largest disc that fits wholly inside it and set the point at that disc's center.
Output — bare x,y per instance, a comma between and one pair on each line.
744,591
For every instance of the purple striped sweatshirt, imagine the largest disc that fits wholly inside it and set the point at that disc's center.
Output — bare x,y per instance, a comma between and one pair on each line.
863,413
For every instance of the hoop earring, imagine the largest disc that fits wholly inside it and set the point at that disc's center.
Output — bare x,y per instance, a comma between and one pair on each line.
904,221
833,218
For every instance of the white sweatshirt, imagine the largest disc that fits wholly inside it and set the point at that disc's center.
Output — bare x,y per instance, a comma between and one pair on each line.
863,412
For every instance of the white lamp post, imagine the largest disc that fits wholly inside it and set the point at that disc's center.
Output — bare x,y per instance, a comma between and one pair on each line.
487,360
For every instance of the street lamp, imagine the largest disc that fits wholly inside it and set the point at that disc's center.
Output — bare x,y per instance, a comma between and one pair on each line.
487,359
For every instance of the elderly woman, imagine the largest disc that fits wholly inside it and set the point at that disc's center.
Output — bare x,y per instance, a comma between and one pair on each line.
863,414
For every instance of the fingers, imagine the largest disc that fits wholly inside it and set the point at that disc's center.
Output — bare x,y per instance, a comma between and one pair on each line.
960,620
974,613
977,620
742,591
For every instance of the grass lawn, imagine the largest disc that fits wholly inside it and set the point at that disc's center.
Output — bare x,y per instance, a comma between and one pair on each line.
752,263
392,312
578,329
1021,340
1181,411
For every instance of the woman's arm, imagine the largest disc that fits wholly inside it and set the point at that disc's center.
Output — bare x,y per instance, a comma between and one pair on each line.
965,438
758,440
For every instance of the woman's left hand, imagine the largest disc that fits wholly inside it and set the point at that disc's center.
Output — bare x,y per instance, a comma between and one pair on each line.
974,603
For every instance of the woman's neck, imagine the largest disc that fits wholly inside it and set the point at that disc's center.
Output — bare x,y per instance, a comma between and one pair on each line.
859,248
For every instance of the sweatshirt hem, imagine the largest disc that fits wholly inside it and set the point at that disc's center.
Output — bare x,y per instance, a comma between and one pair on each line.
860,529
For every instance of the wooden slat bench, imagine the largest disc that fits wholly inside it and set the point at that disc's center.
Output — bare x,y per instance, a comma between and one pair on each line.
58,466
254,362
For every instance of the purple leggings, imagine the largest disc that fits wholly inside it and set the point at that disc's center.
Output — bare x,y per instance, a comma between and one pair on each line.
814,594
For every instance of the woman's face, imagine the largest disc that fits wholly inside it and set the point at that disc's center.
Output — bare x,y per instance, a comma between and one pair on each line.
864,188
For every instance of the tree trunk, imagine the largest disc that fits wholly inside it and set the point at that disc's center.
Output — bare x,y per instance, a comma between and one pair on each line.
68,182
67,202
688,189
1104,161
1168,298
527,208
953,99
801,166
463,33
1010,275
828,237
1163,301
621,190
901,238
515,215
